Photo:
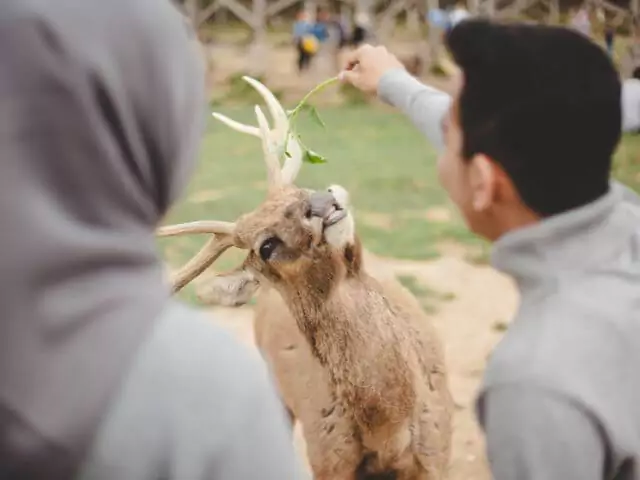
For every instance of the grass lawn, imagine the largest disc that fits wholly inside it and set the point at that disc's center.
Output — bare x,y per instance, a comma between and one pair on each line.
386,165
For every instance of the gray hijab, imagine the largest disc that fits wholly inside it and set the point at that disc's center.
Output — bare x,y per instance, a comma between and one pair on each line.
101,109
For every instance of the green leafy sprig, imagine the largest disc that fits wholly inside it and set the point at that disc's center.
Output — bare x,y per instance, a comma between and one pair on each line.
308,155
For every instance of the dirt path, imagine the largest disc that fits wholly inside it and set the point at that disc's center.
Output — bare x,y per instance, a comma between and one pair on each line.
470,324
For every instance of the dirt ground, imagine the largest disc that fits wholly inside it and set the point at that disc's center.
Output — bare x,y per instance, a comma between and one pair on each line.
470,324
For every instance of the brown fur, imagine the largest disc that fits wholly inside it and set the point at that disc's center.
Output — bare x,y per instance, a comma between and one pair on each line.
357,361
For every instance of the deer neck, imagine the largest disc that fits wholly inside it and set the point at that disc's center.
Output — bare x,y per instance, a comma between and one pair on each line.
325,305
347,327
327,315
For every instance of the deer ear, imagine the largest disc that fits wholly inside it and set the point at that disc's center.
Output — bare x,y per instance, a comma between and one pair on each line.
231,289
353,257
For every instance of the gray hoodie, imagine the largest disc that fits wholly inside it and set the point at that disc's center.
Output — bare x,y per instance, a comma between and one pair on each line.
102,375
560,398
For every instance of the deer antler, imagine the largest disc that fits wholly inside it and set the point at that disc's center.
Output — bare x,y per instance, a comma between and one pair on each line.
216,245
274,141
273,144
204,226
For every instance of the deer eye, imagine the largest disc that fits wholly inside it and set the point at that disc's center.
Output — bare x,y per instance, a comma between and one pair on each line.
268,247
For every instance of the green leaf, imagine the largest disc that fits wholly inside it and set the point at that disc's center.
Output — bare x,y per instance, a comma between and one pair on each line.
315,116
312,157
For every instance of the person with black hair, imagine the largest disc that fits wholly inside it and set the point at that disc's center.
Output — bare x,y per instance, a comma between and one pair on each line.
609,38
526,144
361,29
305,42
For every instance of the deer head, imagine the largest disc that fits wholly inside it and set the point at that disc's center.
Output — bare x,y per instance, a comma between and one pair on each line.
296,237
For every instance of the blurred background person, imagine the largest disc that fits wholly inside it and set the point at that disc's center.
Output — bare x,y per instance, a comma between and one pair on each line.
580,21
304,40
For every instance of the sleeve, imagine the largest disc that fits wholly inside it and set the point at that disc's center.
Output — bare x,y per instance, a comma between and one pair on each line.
534,435
424,105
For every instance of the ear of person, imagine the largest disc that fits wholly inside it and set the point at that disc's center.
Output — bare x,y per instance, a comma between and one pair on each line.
482,181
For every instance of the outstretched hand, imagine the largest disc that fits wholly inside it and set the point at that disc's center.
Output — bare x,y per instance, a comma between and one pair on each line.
366,65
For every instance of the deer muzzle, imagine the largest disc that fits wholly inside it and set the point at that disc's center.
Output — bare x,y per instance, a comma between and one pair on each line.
325,206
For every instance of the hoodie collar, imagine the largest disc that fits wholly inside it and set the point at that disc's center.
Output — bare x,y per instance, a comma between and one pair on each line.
566,243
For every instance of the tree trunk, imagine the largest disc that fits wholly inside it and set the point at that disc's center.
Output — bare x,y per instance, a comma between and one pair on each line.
435,36
222,16
311,7
193,10
388,19
259,49
490,8
366,7
554,12
413,20
365,16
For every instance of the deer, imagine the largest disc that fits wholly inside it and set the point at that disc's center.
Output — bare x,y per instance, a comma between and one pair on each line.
356,359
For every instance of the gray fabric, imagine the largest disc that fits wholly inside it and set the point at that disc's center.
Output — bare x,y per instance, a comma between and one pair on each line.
573,349
208,411
425,106
99,121
534,447
576,336
631,105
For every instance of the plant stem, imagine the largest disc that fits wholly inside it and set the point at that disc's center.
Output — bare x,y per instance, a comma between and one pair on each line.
306,98
298,108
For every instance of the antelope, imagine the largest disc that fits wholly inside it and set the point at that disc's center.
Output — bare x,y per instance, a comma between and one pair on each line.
356,359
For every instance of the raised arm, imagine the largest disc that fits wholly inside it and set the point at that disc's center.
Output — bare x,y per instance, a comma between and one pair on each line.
424,105
376,70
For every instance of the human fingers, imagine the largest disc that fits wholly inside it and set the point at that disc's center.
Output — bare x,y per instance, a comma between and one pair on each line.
349,76
355,56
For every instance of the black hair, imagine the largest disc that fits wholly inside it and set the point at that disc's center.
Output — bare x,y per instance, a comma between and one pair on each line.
544,103
636,73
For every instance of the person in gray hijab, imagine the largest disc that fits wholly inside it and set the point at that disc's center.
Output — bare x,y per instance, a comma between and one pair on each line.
102,375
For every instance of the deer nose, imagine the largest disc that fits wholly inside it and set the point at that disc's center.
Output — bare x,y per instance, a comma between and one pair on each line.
322,204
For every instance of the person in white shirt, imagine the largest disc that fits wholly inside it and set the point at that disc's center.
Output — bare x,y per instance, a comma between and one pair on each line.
631,104
581,22
458,14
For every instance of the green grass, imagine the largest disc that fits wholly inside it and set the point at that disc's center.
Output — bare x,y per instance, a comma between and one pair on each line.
387,166
428,298
627,162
